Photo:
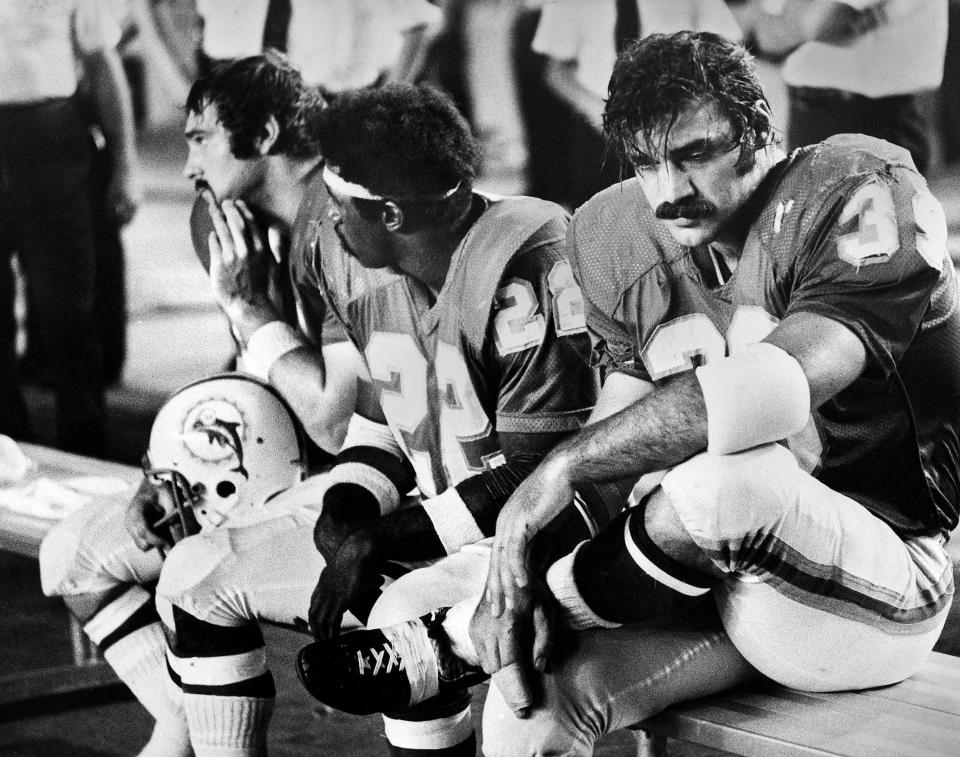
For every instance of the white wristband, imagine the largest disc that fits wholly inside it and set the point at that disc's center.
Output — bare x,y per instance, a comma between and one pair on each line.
452,520
576,614
268,343
371,479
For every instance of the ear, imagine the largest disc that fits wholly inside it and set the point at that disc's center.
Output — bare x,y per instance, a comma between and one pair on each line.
392,216
269,136
762,110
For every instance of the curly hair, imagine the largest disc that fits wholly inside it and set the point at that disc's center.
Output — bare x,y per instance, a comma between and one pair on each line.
656,77
247,91
404,142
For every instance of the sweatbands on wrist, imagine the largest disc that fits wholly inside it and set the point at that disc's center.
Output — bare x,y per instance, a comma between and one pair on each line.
757,396
370,472
452,520
361,482
266,344
577,615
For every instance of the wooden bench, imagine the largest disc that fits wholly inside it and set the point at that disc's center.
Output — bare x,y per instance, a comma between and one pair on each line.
22,534
919,717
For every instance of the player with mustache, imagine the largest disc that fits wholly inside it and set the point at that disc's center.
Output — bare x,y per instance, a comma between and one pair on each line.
780,349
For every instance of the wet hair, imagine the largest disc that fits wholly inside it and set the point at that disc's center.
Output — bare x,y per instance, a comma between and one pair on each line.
406,143
247,91
656,77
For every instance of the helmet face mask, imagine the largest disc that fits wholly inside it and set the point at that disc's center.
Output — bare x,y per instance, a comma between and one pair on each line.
223,447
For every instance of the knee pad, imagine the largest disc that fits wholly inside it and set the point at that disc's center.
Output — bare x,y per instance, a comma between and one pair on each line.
722,497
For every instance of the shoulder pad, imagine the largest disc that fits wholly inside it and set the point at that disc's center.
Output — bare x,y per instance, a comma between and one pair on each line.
614,240
507,229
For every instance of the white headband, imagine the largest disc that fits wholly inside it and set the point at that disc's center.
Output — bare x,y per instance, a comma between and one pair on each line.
343,187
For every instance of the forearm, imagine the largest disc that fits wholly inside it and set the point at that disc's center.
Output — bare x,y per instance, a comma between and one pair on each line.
656,432
321,389
114,106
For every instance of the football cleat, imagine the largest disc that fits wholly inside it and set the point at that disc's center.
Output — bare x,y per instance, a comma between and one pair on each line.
384,670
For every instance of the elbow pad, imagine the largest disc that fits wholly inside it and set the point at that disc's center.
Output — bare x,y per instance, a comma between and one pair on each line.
758,396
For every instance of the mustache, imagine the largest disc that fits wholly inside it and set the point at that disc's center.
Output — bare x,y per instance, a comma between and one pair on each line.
669,211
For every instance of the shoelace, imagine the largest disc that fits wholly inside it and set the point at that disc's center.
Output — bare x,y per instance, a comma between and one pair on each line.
379,660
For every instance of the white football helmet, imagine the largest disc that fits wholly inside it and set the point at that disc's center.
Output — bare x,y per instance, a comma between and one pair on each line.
224,445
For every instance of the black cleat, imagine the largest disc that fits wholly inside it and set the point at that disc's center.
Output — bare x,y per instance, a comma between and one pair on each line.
364,672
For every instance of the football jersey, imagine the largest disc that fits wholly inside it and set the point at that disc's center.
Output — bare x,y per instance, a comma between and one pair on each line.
502,348
846,229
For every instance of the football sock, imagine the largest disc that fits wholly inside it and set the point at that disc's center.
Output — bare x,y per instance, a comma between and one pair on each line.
451,736
130,636
438,727
621,576
228,691
228,726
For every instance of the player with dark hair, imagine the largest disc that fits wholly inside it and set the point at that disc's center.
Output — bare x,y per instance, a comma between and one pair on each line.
105,559
471,328
734,293
249,92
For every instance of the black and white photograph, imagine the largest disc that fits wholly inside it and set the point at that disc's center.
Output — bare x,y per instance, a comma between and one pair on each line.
443,378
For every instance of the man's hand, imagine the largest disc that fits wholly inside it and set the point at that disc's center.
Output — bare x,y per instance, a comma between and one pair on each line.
145,509
330,533
352,572
536,502
514,643
241,266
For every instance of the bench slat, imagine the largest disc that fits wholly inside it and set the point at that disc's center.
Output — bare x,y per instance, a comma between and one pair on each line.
920,716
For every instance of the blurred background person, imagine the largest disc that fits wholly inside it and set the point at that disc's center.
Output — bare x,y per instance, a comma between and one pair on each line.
46,202
335,44
854,66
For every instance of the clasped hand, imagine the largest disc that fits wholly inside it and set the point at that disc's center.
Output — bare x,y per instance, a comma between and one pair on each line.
512,628
351,572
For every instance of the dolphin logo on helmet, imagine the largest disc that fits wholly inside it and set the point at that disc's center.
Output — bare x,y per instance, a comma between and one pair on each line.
224,446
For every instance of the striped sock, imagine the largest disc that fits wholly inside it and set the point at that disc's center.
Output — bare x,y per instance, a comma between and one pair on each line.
132,641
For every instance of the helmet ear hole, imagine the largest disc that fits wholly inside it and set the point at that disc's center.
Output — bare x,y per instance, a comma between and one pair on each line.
226,489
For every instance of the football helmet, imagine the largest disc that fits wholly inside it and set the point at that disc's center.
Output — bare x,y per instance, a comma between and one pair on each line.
224,445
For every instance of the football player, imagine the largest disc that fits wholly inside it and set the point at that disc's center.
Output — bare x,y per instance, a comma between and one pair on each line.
788,359
249,138
471,327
